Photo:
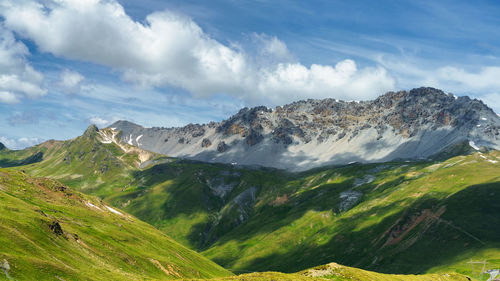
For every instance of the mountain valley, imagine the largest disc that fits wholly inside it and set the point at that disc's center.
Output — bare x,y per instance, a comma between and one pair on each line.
424,201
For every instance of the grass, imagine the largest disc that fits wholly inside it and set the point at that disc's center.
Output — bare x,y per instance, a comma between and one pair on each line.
338,272
48,232
412,217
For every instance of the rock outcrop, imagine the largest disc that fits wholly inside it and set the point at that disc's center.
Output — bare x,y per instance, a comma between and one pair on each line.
411,124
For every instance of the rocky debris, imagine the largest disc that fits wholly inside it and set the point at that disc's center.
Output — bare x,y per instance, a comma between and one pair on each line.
366,179
348,199
92,131
195,130
5,267
220,187
206,143
61,188
56,228
222,147
245,202
406,223
253,138
397,125
103,168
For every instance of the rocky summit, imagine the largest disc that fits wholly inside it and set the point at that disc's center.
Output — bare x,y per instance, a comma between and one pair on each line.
411,125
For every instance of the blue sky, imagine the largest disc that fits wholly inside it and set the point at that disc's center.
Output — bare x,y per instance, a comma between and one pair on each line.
68,63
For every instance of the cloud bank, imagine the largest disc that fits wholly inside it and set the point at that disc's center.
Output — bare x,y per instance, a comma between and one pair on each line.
18,79
19,143
168,49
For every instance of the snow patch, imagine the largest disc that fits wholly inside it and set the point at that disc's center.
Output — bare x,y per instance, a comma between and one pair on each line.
493,161
473,145
130,140
137,140
114,211
484,119
482,156
92,205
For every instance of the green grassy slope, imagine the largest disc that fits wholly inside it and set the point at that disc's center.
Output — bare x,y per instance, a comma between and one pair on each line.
405,217
49,232
85,163
412,218
333,271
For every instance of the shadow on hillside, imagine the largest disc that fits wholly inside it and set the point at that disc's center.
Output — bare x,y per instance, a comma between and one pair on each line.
470,223
35,158
181,189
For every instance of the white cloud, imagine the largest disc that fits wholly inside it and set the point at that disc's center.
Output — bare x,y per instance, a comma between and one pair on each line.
270,50
492,100
70,82
170,49
100,122
19,143
18,79
479,82
8,97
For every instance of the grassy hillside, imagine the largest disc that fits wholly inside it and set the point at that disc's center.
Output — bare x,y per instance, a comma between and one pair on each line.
89,163
49,232
338,272
409,218
399,217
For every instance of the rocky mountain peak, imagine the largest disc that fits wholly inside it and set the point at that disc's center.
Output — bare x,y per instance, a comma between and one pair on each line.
123,123
308,133
91,131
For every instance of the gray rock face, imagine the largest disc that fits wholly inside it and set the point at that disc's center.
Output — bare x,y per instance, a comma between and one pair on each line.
411,124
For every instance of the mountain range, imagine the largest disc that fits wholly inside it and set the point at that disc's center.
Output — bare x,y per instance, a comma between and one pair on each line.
405,184
407,125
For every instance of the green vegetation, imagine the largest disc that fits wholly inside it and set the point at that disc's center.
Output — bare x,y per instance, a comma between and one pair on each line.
338,272
399,217
49,232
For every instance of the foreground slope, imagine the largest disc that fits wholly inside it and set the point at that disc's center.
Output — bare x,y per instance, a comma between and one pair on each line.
333,271
50,232
305,134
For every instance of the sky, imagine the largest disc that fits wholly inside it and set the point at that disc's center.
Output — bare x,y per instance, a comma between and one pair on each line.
65,64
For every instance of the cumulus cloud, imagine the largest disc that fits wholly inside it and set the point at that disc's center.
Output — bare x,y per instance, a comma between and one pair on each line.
18,79
99,122
70,82
19,143
479,82
168,49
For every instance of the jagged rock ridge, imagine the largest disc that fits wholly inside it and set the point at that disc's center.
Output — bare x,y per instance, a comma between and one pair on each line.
411,124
